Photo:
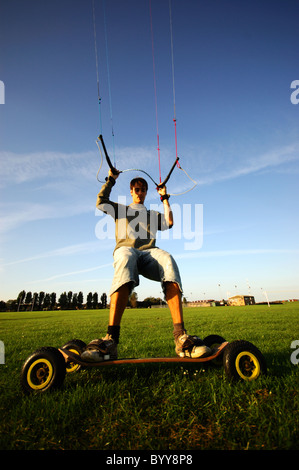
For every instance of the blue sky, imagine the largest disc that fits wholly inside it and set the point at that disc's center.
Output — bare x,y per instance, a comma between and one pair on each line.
238,137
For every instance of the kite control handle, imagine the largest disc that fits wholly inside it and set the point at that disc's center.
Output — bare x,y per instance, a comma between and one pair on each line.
116,172
161,185
112,168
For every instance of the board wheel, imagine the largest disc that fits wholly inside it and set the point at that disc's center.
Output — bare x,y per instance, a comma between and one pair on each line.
243,361
43,370
213,341
75,346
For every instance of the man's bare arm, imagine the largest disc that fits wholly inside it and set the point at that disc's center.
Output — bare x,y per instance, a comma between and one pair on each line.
167,209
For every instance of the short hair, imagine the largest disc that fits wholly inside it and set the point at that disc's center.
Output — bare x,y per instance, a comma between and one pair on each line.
138,180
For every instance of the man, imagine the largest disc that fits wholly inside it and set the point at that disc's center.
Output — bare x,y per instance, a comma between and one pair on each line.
136,253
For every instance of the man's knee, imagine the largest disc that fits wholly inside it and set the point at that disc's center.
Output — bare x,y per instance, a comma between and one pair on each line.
172,288
125,289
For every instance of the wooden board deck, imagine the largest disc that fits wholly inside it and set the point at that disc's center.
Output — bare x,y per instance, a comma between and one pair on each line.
75,358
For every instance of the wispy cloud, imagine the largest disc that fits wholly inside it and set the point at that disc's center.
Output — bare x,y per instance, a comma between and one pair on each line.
205,165
238,167
20,168
70,250
240,252
63,172
59,180
13,215
72,273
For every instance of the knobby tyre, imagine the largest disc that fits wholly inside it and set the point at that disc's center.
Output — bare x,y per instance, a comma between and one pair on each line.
243,361
213,341
75,346
44,370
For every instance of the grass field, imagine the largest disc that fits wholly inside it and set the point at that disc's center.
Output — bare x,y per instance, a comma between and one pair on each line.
153,407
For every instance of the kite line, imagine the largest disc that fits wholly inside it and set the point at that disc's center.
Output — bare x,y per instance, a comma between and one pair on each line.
100,139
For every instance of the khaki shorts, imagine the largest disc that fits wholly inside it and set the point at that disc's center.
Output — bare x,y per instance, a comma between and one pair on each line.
154,264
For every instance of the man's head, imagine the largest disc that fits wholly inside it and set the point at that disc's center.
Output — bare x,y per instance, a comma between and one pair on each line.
138,188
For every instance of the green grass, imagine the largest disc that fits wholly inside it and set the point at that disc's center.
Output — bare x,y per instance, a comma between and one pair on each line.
152,407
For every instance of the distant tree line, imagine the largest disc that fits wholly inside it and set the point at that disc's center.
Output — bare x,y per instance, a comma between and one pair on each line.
26,301
146,303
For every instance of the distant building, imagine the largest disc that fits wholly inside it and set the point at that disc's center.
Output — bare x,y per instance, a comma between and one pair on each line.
241,300
200,303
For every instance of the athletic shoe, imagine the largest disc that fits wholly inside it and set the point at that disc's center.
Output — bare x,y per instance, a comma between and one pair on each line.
100,350
191,346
